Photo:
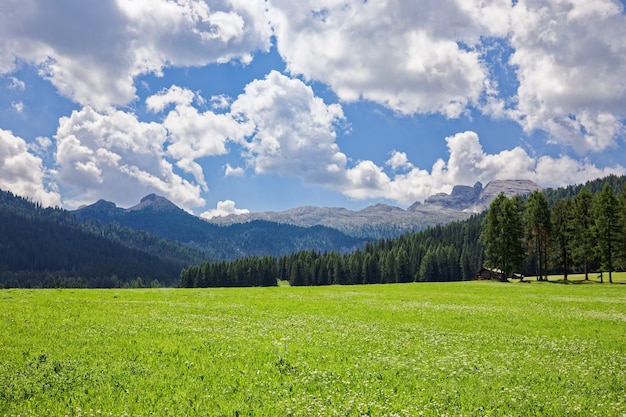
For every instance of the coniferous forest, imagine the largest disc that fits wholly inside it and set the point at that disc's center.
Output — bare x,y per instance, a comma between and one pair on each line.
578,229
49,247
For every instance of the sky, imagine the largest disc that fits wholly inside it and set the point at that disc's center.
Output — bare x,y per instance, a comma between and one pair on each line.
229,106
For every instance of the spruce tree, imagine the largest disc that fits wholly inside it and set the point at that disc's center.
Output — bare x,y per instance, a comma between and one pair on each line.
607,228
562,233
502,235
538,231
583,239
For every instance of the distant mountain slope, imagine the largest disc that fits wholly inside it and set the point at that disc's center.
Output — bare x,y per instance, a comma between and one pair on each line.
379,221
50,247
159,216
383,221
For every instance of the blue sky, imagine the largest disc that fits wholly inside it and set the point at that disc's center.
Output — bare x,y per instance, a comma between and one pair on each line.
232,105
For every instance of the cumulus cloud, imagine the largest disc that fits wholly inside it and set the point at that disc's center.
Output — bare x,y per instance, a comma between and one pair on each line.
93,52
220,102
224,208
467,163
116,157
294,135
406,55
398,161
570,57
193,135
294,131
230,171
23,173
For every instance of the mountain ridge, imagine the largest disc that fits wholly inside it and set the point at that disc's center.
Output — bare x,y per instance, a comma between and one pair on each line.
385,221
160,217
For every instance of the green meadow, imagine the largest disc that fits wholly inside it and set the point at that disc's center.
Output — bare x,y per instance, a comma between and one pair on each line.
431,349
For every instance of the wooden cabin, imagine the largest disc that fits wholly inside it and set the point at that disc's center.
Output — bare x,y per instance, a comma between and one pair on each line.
490,273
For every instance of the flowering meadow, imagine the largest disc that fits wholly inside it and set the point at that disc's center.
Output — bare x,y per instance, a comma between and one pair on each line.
428,349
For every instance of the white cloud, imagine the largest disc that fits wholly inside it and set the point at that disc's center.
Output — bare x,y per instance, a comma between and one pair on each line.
116,157
230,171
193,135
224,208
398,161
23,173
466,164
570,57
173,95
405,55
293,130
220,102
44,142
17,84
18,106
562,171
294,136
93,52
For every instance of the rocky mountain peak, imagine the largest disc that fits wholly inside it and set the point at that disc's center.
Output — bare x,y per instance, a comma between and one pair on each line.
104,204
476,198
461,197
100,206
156,203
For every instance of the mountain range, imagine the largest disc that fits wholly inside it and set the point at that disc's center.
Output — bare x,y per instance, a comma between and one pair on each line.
105,245
386,221
160,217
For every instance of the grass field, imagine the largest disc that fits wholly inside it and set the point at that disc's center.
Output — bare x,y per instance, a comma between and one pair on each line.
456,349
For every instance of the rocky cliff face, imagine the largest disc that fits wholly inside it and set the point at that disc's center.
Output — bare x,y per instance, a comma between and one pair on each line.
461,198
508,187
476,199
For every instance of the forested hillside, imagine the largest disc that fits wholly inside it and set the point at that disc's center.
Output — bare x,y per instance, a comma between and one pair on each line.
442,253
579,229
576,229
49,247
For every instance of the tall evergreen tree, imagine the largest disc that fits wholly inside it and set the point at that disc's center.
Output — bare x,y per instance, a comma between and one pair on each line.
582,241
562,233
607,228
403,272
428,269
622,231
538,231
503,235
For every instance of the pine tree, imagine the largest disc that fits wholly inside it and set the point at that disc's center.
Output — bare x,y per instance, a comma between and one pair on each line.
538,231
562,231
607,229
582,241
502,235
622,231
403,272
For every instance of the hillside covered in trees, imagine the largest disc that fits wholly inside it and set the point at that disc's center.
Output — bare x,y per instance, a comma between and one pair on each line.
577,229
104,246
49,247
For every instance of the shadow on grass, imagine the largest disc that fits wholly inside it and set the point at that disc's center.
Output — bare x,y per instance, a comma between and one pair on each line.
573,281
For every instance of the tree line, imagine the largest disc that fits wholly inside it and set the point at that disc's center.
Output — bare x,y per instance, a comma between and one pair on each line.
440,253
49,247
582,233
576,229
